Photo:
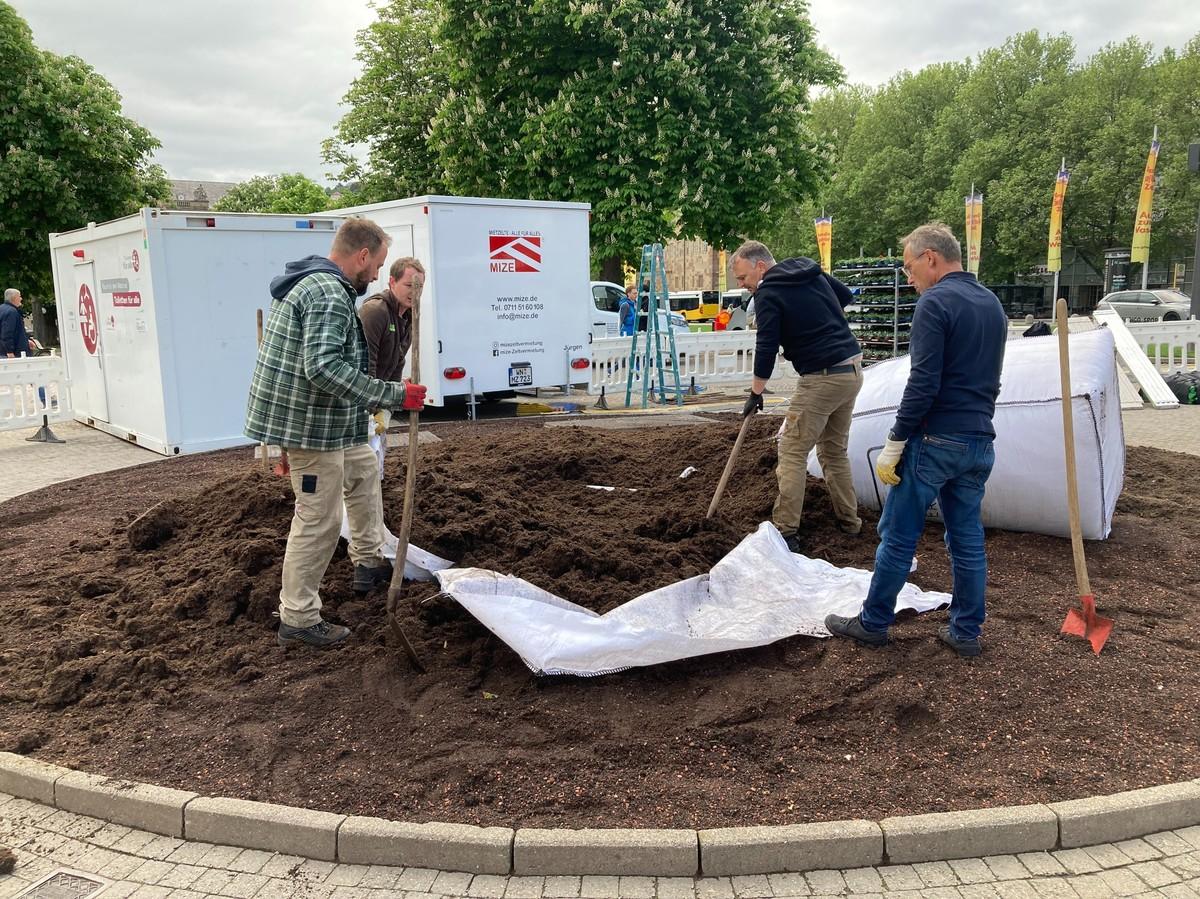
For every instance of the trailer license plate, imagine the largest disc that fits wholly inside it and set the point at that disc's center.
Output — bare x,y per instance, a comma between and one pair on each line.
520,375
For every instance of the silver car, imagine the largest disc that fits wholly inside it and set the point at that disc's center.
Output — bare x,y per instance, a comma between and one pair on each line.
1148,305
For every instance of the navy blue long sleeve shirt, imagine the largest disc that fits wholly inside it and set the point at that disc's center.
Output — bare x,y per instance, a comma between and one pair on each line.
956,350
13,338
797,307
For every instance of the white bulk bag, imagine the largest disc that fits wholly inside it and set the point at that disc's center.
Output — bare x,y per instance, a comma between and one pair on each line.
1027,490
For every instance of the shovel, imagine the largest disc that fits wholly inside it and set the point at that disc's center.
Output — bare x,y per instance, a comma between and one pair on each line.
737,445
1081,622
410,482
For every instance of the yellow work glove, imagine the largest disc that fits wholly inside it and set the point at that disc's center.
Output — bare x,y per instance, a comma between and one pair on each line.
889,458
383,418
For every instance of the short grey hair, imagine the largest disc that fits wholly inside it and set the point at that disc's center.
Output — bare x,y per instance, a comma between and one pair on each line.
753,252
934,236
10,293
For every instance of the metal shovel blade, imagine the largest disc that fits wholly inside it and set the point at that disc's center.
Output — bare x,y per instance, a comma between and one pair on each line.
1085,623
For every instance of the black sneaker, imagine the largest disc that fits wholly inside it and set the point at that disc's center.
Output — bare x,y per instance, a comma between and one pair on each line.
841,626
321,635
793,543
965,648
367,578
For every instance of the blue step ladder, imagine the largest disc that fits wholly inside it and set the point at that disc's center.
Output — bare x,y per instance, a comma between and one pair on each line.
652,282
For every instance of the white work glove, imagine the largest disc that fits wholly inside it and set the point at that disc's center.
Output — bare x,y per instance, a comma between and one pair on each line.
383,418
889,458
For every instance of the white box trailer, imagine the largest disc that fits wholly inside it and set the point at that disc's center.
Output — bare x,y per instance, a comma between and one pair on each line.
505,300
158,318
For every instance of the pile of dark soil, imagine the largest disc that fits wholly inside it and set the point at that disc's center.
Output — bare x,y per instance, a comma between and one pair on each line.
138,642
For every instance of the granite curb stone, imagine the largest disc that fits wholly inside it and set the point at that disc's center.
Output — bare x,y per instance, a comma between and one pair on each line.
797,847
138,805
452,847
969,834
261,825
28,778
1121,816
616,851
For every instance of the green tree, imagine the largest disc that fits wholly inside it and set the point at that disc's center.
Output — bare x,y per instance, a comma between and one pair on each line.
403,82
289,193
67,154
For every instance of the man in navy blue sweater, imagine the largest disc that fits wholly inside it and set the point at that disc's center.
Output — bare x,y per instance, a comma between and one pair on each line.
940,446
798,308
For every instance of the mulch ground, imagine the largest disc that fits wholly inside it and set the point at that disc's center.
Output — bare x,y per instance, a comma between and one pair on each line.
148,652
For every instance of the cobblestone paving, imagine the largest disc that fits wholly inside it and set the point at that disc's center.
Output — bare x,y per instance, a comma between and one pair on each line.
141,864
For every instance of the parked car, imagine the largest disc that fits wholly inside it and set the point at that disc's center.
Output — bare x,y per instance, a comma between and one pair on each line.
606,301
1148,305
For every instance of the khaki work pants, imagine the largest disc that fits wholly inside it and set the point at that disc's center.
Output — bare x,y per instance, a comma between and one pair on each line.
321,481
819,415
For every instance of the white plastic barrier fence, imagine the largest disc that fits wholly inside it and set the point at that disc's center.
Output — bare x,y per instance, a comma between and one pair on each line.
1170,346
708,357
32,387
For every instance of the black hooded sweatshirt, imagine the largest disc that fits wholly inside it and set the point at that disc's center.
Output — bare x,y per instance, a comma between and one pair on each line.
799,308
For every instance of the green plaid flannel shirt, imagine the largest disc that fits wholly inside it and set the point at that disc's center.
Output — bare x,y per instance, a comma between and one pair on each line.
310,389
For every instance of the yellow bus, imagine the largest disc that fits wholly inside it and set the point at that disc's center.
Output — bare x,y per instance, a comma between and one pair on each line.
696,305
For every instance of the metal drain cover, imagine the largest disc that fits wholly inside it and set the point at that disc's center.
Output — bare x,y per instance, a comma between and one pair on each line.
64,885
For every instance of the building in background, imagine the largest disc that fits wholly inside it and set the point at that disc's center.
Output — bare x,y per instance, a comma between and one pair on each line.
197,194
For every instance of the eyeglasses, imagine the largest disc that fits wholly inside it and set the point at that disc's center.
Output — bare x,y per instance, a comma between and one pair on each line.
907,269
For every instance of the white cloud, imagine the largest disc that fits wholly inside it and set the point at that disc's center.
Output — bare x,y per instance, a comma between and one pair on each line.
236,88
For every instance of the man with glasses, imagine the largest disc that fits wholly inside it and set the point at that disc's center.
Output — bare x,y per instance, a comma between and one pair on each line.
940,446
799,308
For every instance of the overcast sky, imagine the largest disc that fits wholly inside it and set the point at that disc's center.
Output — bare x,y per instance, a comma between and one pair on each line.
236,88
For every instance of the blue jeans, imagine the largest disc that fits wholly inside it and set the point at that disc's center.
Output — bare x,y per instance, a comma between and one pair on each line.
953,469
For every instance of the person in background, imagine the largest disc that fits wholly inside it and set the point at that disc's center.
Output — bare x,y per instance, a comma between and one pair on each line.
799,307
627,311
387,326
14,342
309,395
940,445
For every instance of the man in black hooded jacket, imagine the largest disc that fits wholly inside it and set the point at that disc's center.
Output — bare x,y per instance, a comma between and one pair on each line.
798,308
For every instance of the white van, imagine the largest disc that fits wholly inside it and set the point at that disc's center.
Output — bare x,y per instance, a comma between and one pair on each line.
605,311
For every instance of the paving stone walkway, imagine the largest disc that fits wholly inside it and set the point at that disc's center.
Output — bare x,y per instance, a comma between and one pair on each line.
148,866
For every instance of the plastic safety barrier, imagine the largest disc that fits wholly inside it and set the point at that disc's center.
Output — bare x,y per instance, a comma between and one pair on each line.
1170,346
707,357
33,387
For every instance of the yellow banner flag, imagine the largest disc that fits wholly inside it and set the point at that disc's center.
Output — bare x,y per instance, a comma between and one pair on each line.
974,205
722,277
1140,251
1054,256
824,226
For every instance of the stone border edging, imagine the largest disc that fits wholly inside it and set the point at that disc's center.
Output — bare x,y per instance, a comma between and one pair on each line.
648,852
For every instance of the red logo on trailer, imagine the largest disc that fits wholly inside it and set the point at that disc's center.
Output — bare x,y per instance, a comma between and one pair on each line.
87,319
515,252
137,261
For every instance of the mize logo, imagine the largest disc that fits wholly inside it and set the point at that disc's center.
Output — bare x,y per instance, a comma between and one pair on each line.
511,252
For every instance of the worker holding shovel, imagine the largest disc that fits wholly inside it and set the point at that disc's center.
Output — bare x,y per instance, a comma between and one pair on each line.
940,446
309,394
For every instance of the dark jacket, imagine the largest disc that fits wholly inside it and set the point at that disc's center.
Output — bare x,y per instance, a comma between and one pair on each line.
13,338
956,352
799,308
295,272
389,335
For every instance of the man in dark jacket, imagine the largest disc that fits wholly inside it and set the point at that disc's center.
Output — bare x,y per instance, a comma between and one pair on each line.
387,325
14,342
940,446
798,307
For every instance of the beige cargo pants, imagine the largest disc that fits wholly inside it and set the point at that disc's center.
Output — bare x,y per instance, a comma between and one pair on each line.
321,481
819,415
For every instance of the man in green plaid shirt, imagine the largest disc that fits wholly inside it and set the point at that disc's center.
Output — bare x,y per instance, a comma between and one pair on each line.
311,395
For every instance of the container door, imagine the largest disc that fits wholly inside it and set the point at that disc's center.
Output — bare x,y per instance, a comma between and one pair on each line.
92,377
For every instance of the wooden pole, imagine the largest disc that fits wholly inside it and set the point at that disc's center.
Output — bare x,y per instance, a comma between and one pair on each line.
266,455
1064,371
396,588
737,445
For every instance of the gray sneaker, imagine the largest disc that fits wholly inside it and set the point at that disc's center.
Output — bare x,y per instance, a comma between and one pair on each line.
367,578
841,626
965,648
321,635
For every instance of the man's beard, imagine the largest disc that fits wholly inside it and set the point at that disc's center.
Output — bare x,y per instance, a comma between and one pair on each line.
361,283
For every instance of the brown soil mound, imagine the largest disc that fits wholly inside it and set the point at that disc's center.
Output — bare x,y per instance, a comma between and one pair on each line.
147,651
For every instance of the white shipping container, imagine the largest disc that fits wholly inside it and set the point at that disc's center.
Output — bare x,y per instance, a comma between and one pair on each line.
506,303
158,318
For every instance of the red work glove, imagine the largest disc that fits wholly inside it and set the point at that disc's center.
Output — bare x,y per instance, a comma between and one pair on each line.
414,396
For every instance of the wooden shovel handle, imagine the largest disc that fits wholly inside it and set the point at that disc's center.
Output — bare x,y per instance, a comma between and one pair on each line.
1064,371
737,445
